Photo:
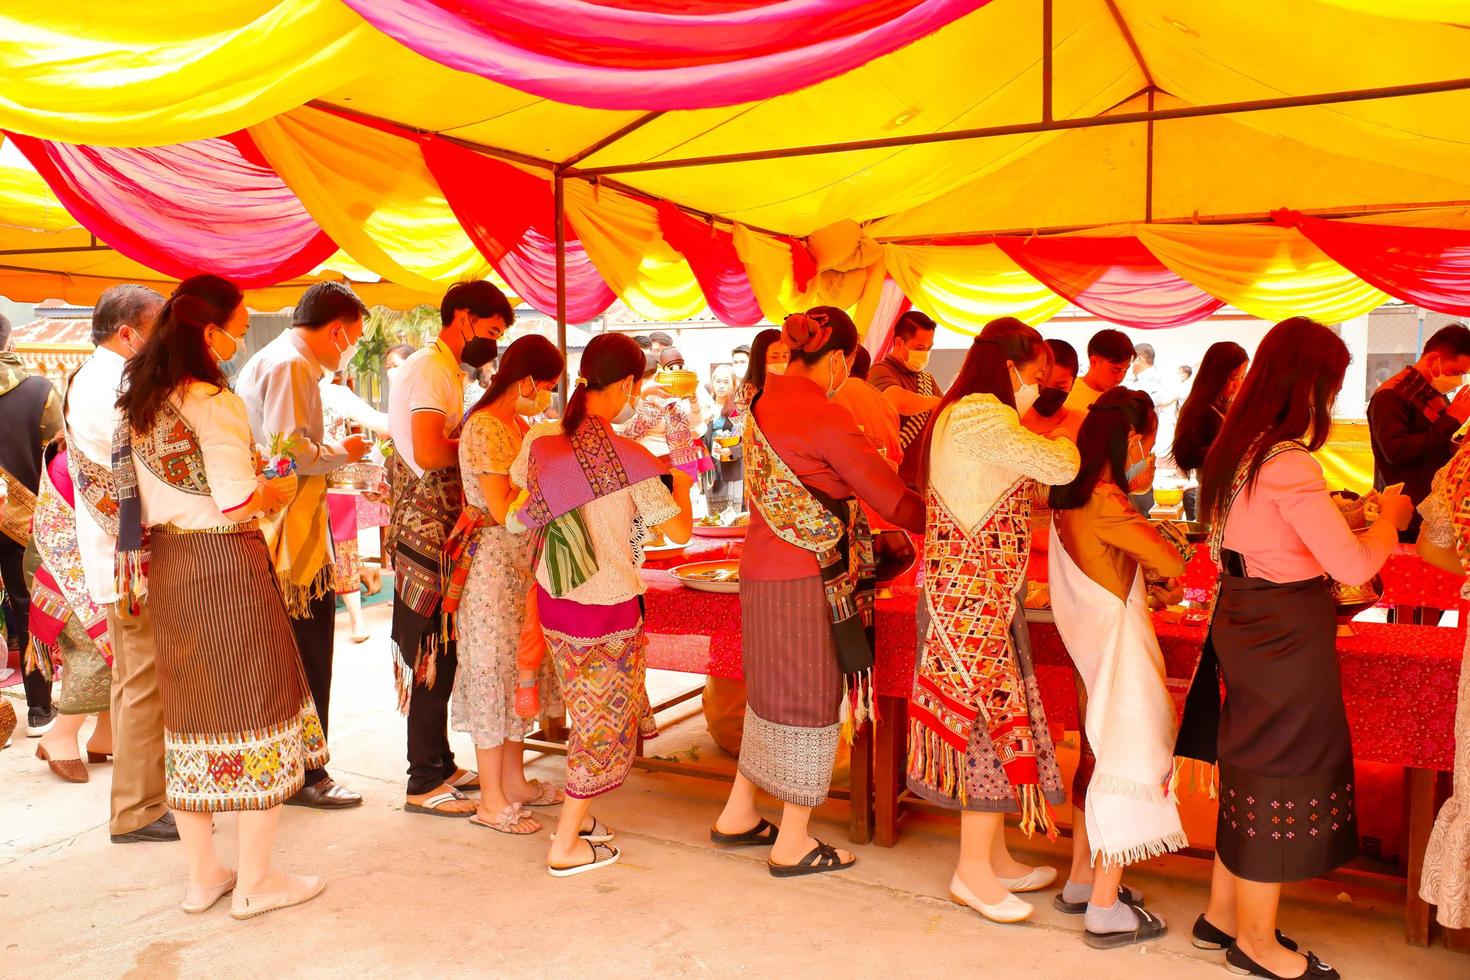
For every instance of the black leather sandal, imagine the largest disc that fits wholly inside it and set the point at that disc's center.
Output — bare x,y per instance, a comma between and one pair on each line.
819,860
1208,936
1150,927
762,833
1237,962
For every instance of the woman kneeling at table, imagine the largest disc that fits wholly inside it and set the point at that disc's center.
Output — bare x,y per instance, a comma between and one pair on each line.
1281,737
240,727
977,739
806,590
592,497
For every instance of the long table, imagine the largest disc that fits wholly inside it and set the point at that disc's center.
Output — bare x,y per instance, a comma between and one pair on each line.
1399,684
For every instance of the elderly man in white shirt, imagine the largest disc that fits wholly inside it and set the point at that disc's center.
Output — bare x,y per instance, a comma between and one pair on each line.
280,388
120,323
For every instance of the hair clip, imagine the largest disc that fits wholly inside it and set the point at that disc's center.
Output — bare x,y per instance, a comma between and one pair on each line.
581,382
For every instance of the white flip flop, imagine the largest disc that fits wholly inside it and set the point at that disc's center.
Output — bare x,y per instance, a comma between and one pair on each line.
598,861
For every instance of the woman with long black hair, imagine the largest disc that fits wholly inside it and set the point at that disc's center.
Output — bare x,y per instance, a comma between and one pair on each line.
1280,739
1220,376
240,726
978,740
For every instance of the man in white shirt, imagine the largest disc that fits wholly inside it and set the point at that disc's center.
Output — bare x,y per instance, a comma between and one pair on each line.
280,386
425,408
120,323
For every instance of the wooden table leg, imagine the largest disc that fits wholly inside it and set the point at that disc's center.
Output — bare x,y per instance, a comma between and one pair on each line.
890,760
1420,794
860,784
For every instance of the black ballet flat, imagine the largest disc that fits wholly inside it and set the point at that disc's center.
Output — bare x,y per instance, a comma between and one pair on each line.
1207,936
1238,962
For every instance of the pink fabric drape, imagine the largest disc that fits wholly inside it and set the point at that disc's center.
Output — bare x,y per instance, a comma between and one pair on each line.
207,206
509,215
710,253
1115,278
892,304
658,54
1429,267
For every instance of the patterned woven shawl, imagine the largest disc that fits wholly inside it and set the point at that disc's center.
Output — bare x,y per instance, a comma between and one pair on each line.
171,452
969,671
60,575
564,474
424,509
298,540
836,532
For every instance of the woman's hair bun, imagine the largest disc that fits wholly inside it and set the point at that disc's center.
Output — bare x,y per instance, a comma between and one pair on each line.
805,332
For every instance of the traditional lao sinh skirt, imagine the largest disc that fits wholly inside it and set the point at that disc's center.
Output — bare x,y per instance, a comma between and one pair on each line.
599,655
240,727
1285,754
794,689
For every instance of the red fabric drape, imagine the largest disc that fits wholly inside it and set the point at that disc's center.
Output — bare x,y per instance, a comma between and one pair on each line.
1115,278
207,206
710,253
658,54
1429,267
510,216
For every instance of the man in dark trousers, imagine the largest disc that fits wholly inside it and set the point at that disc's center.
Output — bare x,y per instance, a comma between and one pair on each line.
30,414
1412,424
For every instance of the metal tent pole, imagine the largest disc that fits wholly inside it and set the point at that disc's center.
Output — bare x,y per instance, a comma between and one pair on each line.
558,194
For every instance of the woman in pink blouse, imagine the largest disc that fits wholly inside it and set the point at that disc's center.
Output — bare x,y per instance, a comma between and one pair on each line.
1281,737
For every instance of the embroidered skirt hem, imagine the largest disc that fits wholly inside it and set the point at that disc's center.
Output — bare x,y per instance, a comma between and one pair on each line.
247,771
792,763
86,677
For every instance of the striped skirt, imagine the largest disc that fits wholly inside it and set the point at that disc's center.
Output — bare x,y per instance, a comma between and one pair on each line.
240,728
793,689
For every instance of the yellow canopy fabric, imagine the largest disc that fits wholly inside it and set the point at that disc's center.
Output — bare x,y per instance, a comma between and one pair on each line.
965,287
1269,272
622,239
150,72
372,192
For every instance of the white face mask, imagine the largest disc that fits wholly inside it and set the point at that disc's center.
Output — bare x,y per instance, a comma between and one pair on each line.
238,345
345,354
918,360
534,405
776,368
626,413
392,373
835,384
1026,395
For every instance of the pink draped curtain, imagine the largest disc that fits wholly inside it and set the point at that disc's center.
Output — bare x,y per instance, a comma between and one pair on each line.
710,253
892,304
658,54
1115,278
207,206
509,215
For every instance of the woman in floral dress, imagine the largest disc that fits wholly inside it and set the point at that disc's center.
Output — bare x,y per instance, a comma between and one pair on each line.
493,606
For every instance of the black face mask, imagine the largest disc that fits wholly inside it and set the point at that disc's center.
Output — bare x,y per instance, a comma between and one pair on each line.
478,351
1049,402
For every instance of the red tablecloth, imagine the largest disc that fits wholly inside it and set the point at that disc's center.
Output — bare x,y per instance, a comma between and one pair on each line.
1399,681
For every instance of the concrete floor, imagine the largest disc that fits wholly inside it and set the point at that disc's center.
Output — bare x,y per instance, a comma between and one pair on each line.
417,896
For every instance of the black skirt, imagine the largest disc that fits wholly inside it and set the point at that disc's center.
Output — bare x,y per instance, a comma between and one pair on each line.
1281,735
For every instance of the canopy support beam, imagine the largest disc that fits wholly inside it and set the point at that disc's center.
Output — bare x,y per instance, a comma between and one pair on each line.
1046,65
1026,129
610,139
1127,33
558,197
1148,166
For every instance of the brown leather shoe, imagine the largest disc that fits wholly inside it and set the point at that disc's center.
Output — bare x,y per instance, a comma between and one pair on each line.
71,770
325,795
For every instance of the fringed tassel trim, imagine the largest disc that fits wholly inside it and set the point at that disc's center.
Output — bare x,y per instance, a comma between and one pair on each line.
300,597
1141,852
40,658
1111,785
1036,812
858,704
130,578
935,762
1201,777
423,672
